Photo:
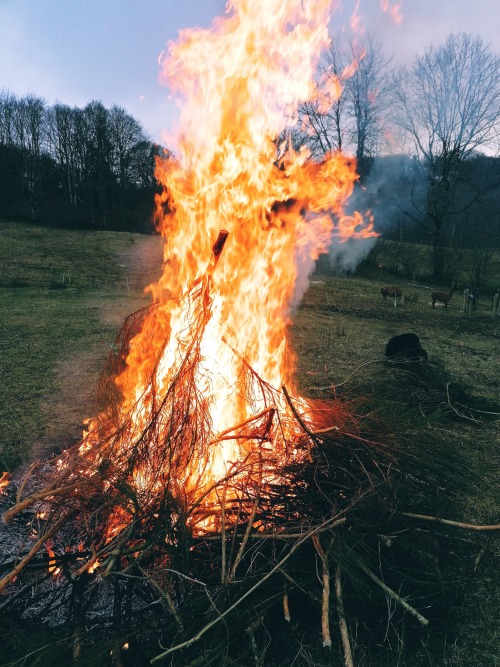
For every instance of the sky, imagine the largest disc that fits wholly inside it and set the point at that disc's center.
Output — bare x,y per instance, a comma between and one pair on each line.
76,51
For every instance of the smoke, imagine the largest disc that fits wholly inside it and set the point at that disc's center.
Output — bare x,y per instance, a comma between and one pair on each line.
385,193
388,189
347,256
342,257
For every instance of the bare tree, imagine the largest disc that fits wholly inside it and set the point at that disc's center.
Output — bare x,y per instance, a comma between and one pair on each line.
98,156
7,106
30,135
346,110
127,140
447,105
366,92
323,121
62,126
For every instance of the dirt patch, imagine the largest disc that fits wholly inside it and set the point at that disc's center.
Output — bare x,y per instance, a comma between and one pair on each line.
140,266
74,397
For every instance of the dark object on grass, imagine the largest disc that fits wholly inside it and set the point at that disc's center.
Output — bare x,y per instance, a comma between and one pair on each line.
405,347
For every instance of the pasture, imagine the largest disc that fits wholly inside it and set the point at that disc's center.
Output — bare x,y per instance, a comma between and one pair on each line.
64,295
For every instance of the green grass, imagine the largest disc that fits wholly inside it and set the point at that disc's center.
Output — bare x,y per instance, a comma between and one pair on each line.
339,333
343,322
54,287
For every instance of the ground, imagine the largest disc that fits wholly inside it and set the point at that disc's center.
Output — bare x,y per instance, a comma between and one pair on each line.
64,296
77,373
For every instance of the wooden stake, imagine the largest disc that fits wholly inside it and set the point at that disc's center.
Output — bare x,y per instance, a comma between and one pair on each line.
325,605
286,608
344,633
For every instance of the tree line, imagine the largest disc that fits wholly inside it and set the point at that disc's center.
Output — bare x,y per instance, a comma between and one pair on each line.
440,115
88,167
425,136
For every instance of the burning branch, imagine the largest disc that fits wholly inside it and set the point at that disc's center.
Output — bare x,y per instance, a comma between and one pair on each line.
53,530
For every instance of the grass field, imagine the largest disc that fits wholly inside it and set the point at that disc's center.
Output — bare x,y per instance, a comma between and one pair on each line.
64,295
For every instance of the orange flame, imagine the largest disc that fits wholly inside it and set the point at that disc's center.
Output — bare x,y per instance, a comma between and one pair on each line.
53,569
4,479
241,80
393,10
355,22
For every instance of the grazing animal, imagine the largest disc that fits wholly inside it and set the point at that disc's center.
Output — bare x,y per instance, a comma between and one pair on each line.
442,297
405,347
392,291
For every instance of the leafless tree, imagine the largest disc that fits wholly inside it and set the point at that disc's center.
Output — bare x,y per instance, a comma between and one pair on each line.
447,105
367,99
323,121
346,110
30,135
62,124
128,141
7,106
125,134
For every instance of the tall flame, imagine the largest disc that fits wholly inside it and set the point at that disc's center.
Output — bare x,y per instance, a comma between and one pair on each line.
241,81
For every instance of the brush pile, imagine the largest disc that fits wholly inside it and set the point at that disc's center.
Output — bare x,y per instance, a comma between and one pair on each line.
215,574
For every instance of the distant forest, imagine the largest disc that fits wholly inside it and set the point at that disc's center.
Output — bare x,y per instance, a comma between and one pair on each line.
93,168
90,168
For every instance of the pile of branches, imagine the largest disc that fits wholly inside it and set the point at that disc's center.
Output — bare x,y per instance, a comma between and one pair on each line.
251,570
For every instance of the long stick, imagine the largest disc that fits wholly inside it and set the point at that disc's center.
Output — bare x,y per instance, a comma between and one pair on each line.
248,530
344,633
421,619
449,522
166,595
34,550
325,606
272,536
331,522
31,500
223,535
221,435
302,423
77,593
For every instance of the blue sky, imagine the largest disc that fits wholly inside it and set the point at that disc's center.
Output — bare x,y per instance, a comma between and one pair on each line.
75,51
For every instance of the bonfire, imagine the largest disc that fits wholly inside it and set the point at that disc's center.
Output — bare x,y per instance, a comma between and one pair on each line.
203,456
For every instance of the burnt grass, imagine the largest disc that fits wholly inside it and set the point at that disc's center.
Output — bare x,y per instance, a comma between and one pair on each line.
430,424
